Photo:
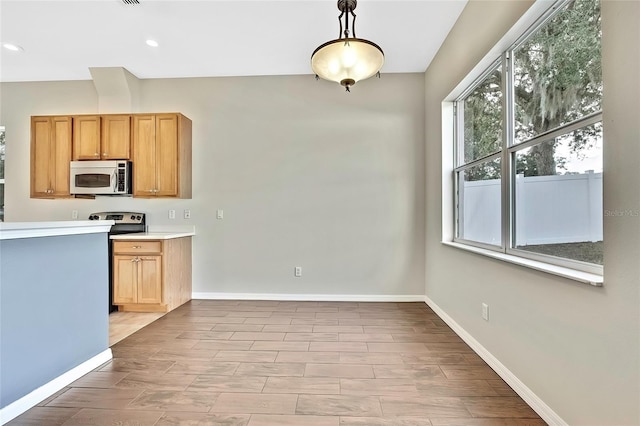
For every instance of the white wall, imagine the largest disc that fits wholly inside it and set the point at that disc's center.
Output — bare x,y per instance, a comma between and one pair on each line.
307,175
575,346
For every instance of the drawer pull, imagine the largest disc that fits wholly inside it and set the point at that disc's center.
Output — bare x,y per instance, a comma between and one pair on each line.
136,247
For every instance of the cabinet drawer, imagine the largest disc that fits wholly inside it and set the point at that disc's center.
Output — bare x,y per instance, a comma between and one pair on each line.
131,246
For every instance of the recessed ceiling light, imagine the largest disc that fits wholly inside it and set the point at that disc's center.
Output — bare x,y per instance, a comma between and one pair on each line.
12,47
152,43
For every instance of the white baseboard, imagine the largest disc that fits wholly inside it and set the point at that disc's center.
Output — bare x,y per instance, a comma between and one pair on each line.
311,297
538,405
28,401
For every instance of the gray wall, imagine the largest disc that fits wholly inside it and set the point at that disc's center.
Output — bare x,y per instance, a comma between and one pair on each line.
575,346
307,175
53,308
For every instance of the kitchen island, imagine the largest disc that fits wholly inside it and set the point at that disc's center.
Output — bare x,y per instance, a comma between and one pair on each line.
54,327
152,271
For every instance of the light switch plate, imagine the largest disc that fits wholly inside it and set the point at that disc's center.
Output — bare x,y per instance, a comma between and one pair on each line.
485,312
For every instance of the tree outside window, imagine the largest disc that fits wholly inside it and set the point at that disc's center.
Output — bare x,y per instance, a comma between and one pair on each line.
544,121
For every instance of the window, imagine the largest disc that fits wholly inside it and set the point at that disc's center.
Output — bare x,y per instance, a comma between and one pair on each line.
1,173
528,131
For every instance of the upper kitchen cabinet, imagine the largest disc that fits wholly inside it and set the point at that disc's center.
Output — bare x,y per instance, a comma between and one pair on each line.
106,137
86,137
161,155
50,156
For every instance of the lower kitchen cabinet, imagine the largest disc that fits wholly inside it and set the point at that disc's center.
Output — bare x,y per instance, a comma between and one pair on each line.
151,275
138,278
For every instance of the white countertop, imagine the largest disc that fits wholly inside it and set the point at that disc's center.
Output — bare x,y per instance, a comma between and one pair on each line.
15,230
153,235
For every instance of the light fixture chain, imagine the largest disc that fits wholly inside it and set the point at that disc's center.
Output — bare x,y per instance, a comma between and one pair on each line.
346,22
347,7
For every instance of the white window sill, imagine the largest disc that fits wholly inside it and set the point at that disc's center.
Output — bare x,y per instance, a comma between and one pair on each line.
572,274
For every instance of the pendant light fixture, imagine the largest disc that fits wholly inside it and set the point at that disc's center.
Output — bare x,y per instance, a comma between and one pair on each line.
347,60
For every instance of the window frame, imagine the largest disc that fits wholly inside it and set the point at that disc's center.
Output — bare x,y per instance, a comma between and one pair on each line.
460,165
507,153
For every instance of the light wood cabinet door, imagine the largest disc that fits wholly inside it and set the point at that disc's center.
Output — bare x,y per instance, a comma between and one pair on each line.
144,155
161,147
41,156
50,156
125,279
116,137
149,279
62,156
86,137
167,155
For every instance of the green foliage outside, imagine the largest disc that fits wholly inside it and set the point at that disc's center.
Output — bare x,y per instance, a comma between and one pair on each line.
557,78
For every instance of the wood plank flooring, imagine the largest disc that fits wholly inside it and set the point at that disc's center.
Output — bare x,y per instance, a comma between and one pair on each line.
260,363
124,324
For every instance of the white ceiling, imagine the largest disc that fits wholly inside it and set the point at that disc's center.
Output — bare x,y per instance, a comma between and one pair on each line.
206,38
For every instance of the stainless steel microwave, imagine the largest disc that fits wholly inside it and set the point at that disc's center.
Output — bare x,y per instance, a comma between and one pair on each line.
101,177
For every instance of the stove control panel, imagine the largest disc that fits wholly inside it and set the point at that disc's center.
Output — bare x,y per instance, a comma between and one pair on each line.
119,217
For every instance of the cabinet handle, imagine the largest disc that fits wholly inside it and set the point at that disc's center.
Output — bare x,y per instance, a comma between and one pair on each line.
96,155
136,247
104,154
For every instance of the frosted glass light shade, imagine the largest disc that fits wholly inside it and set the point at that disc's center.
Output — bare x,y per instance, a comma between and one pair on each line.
347,60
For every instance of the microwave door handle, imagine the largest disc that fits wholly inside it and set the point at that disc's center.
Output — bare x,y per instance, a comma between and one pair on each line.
114,179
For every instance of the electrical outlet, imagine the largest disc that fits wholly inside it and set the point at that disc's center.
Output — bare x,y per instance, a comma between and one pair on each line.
74,214
485,312
220,214
297,271
172,214
187,214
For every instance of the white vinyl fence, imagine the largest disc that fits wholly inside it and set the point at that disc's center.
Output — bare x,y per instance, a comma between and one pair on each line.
548,209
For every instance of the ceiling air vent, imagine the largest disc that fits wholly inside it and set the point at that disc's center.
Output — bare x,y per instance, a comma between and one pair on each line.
131,1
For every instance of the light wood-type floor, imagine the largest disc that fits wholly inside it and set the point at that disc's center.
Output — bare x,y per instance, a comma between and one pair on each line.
289,363
123,324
